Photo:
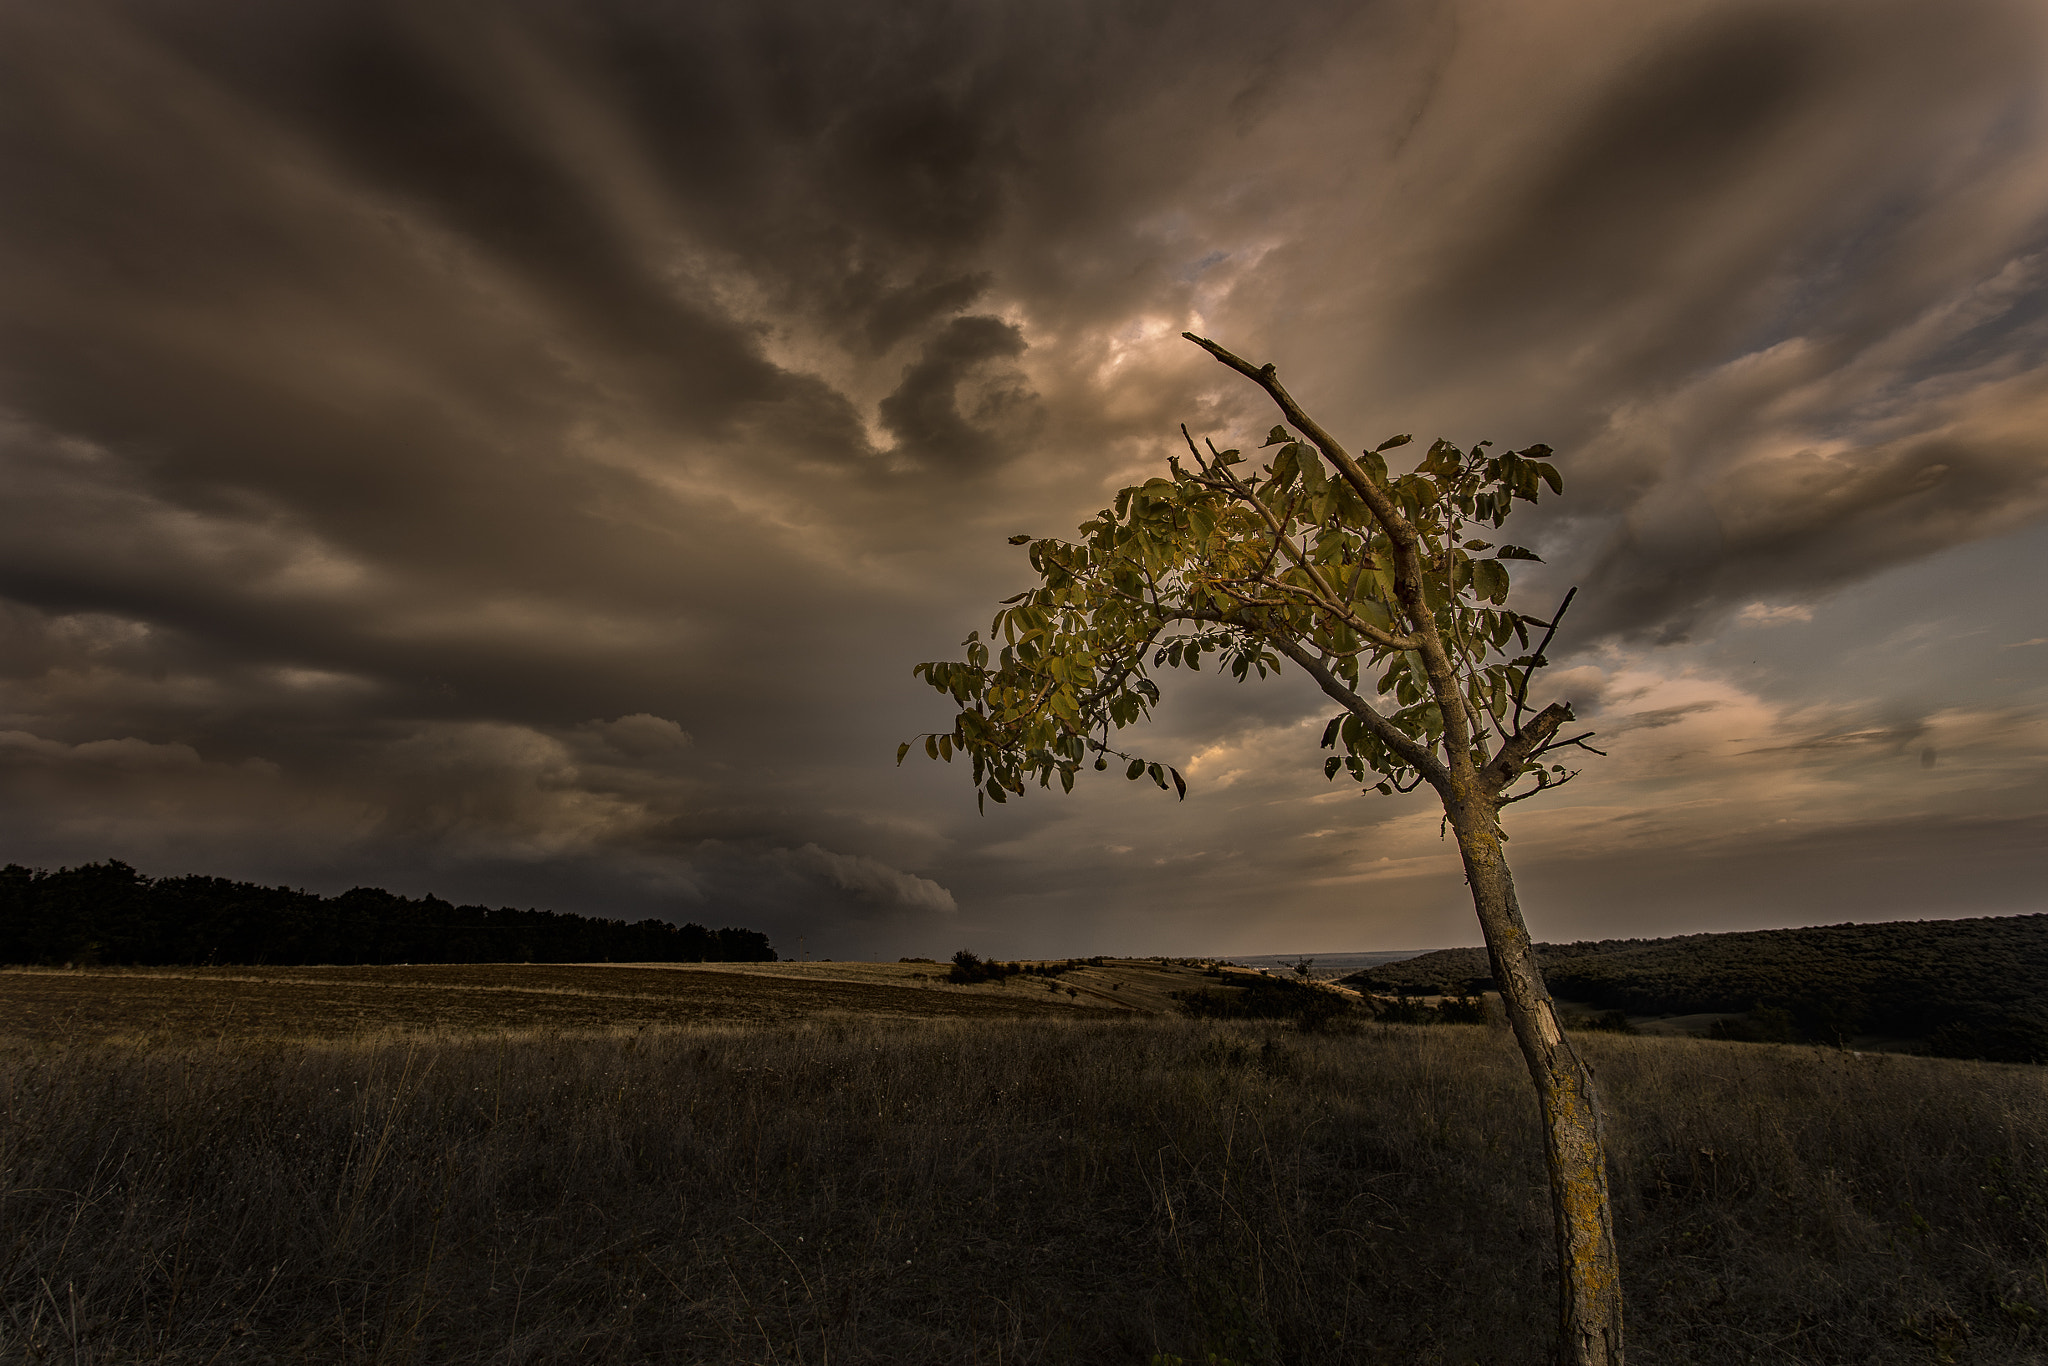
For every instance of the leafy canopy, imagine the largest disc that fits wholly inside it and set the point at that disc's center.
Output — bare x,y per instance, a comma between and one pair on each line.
1357,577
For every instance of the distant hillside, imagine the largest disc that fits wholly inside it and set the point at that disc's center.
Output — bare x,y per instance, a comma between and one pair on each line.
109,913
1968,988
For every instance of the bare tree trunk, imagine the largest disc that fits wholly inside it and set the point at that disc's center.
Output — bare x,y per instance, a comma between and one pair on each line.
1575,1149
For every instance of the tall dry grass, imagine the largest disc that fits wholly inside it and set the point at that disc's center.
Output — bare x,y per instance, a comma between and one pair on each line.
998,1192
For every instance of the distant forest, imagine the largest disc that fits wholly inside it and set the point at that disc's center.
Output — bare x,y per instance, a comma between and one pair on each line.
1973,988
107,913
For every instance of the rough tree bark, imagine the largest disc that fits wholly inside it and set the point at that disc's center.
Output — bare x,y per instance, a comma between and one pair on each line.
1574,1141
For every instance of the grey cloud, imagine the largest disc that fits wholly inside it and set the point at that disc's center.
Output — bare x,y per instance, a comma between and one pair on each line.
870,878
1888,740
1654,719
642,735
927,413
1677,133
522,449
1804,521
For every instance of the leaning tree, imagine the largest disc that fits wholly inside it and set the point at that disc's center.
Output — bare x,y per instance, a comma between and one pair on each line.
1361,579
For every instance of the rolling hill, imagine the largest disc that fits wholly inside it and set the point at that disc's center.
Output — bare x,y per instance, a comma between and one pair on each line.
1958,988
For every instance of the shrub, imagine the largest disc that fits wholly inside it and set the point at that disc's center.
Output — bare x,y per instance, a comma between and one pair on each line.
969,968
1309,1006
1469,1010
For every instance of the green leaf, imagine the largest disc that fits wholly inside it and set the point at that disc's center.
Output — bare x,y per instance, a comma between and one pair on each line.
1180,784
1392,442
1136,770
1489,580
1374,611
1515,552
1275,437
1311,466
902,750
1329,733
1158,776
1331,765
1019,540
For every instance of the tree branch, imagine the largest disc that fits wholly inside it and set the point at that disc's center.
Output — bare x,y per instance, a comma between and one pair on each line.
1578,740
1536,656
1378,499
1414,755
1528,742
1408,570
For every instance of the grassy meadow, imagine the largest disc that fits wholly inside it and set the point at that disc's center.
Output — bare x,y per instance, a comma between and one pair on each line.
142,1005
812,1163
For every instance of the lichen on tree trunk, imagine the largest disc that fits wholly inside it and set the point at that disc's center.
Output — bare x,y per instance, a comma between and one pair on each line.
1574,1141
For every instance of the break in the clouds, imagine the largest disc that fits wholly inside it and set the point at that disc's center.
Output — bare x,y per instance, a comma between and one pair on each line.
517,451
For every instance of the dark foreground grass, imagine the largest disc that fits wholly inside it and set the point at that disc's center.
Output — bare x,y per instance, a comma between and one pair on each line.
999,1191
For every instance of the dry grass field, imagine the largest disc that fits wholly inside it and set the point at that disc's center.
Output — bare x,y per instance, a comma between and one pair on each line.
165,1004
844,1163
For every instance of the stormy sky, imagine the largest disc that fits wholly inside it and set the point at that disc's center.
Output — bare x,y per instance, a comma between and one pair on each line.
518,450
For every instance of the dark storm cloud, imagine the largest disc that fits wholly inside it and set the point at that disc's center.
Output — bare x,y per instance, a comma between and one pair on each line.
518,450
1676,133
925,412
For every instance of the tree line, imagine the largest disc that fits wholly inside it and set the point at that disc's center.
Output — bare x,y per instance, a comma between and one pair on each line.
108,913
1975,988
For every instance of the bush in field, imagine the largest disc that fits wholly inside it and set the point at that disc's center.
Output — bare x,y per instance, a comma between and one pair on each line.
1309,1006
969,968
1461,1010
1452,1010
1404,1010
